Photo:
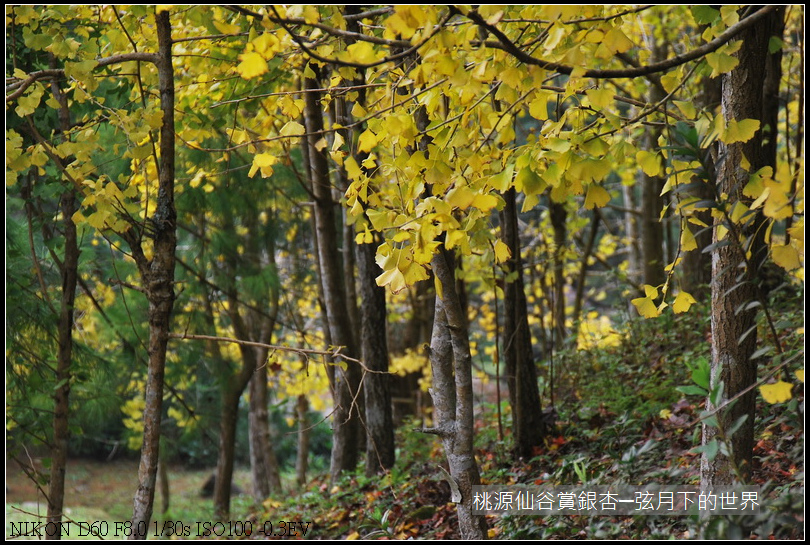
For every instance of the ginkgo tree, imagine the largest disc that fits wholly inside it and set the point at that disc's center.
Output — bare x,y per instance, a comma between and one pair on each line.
436,127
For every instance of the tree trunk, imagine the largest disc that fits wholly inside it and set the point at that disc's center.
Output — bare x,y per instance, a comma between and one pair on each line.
227,446
158,279
61,401
380,453
697,264
521,374
631,226
558,215
163,482
70,264
733,324
652,228
345,384
452,394
263,461
302,456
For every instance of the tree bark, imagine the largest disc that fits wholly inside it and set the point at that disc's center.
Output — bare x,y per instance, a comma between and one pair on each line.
346,377
652,228
452,394
697,263
61,409
380,452
302,456
733,324
263,461
521,373
158,278
69,273
558,215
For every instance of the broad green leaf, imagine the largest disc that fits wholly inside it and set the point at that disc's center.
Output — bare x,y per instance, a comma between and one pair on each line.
529,182
739,131
776,393
682,302
692,390
705,15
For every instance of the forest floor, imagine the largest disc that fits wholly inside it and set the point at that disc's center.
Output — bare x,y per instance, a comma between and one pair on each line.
624,414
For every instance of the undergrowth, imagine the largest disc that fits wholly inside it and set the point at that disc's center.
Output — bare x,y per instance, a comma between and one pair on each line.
621,419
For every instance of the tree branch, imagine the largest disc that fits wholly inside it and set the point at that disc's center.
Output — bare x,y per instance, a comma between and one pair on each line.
510,47
22,85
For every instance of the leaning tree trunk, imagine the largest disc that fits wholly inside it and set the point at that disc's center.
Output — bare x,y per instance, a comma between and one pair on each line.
158,279
734,274
345,383
452,393
521,374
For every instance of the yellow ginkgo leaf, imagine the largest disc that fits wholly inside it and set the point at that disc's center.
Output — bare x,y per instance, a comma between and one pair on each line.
649,162
800,374
740,131
252,65
682,302
645,307
786,256
292,128
502,252
776,393
597,196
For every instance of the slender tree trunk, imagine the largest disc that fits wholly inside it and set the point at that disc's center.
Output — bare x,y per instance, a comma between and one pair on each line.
163,482
521,373
302,456
558,216
227,445
697,263
631,226
452,394
652,228
345,384
61,405
70,264
263,461
158,278
734,286
380,453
